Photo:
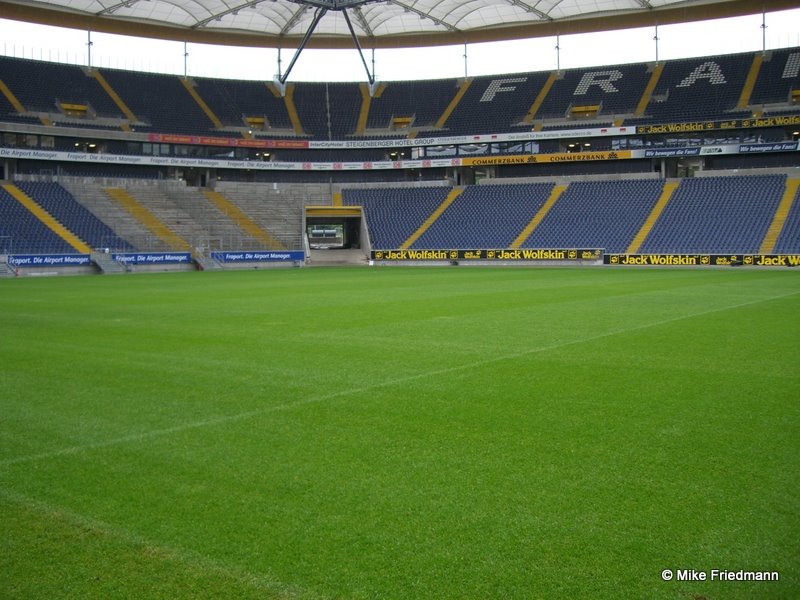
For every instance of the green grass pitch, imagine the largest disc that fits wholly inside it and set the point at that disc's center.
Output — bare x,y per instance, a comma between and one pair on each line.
400,433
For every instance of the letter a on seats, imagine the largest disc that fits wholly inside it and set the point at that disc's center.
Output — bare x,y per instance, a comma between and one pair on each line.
708,70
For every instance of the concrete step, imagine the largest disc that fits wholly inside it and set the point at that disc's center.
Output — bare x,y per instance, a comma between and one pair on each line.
335,256
206,263
106,264
6,270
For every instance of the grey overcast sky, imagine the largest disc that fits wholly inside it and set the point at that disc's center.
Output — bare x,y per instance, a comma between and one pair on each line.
725,36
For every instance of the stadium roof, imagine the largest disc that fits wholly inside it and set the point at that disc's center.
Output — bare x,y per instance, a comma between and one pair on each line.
377,23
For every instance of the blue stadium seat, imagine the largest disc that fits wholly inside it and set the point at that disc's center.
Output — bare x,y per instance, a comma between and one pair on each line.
597,214
728,215
485,216
393,214
74,216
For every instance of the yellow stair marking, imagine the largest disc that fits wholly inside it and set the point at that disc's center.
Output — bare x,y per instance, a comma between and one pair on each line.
775,228
663,199
453,103
366,102
48,219
555,194
114,96
750,82
148,219
363,115
294,118
200,102
537,104
648,90
244,222
11,97
46,121
454,193
336,199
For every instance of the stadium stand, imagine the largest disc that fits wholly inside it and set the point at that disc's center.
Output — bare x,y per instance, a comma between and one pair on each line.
485,216
788,241
730,214
717,214
421,101
597,214
160,102
74,216
394,214
7,109
278,211
44,87
234,101
778,76
93,197
22,233
606,92
699,88
328,111
495,104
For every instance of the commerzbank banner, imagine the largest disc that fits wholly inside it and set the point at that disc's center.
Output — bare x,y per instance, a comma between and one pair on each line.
683,260
507,254
557,157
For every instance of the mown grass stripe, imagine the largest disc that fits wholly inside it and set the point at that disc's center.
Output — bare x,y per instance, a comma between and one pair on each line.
140,437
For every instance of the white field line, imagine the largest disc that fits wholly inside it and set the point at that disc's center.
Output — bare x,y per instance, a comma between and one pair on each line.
197,562
138,437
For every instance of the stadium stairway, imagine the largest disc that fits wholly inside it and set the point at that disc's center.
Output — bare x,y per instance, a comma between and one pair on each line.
454,193
291,109
106,264
778,221
45,217
333,257
750,82
655,75
93,197
666,194
462,89
116,98
12,99
244,222
191,88
555,194
148,219
206,263
537,103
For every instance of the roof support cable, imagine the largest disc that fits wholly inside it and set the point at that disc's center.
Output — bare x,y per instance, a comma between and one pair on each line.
370,76
318,14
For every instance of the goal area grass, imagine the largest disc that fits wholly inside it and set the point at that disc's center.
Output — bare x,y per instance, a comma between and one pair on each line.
395,432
